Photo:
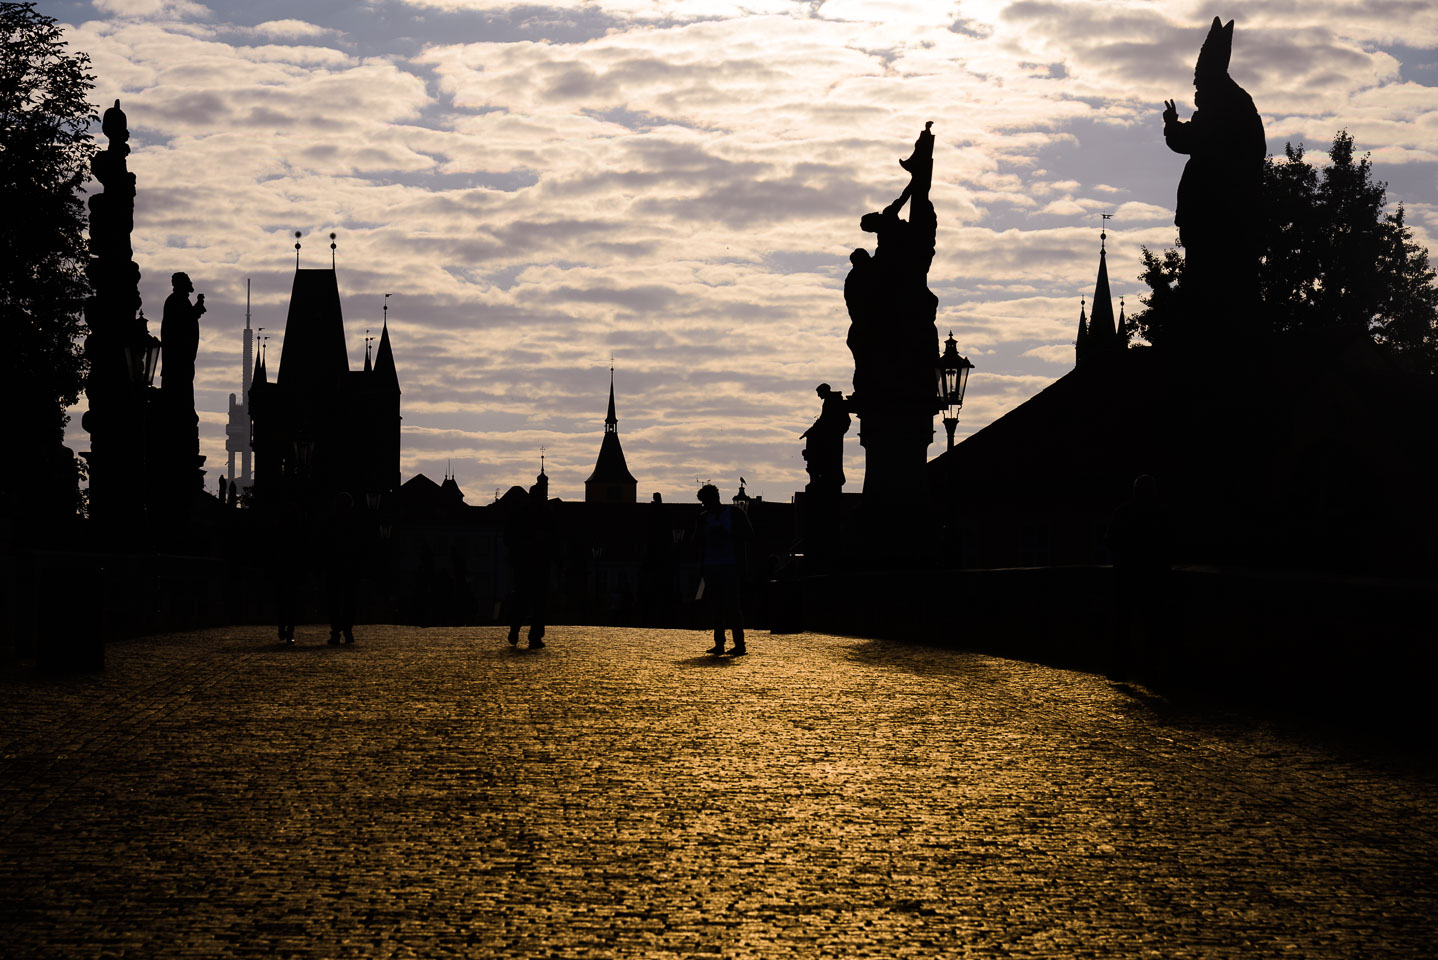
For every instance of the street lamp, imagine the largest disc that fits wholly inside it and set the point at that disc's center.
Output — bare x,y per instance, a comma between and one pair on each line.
302,453
141,360
953,377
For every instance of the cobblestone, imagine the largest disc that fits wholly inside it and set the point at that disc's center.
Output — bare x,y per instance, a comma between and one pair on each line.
436,793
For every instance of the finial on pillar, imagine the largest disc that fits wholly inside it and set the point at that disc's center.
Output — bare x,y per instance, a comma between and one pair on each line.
297,249
332,251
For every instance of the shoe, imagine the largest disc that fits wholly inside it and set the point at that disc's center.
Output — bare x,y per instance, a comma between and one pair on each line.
535,644
514,639
739,650
717,650
349,637
334,638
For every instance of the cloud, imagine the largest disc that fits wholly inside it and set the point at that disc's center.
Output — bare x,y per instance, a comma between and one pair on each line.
152,9
680,188
291,29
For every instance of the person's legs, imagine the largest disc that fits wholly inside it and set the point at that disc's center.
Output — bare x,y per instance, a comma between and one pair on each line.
716,589
519,602
539,590
735,616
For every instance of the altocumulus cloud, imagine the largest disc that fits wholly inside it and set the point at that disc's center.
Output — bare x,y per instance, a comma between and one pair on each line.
678,185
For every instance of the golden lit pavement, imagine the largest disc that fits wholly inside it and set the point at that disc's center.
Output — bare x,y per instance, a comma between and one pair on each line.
434,793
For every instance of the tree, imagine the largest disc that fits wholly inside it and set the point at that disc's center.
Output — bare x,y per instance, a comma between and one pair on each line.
45,148
1331,258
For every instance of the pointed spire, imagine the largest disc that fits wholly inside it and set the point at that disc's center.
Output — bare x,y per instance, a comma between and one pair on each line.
384,361
259,376
611,422
1101,331
1081,341
611,481
1124,332
368,367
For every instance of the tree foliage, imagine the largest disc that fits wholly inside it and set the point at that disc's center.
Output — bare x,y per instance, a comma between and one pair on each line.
1332,258
45,148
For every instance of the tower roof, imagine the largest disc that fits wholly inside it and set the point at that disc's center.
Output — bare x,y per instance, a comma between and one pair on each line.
384,361
314,353
1101,330
611,469
611,421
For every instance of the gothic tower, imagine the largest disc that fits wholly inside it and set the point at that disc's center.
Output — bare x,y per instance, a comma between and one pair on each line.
322,427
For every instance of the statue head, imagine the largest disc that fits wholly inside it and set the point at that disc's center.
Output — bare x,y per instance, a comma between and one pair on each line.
114,125
870,222
708,495
1214,55
181,283
859,257
823,390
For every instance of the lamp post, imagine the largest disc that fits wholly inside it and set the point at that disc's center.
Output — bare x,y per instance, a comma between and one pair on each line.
953,377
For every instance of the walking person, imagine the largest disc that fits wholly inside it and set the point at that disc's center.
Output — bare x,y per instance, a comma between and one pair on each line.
722,536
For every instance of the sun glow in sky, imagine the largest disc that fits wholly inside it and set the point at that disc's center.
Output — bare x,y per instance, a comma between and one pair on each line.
678,185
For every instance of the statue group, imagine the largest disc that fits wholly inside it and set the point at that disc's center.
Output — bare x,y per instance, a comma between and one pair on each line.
891,309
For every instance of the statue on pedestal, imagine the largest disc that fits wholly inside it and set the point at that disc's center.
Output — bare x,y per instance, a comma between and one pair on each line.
895,346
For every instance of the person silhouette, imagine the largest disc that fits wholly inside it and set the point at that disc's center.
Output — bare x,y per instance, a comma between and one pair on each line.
342,548
530,535
721,537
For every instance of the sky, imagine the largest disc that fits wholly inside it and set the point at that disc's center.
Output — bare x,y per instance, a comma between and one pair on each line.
675,187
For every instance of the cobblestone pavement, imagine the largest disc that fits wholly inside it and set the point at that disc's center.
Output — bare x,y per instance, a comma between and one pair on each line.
435,793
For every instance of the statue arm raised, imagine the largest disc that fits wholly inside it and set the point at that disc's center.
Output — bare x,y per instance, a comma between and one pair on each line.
1178,134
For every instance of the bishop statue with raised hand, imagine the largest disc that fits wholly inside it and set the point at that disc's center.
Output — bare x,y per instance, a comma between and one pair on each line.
1219,192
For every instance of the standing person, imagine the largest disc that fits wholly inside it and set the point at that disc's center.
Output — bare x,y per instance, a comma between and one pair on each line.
721,537
341,548
289,539
530,535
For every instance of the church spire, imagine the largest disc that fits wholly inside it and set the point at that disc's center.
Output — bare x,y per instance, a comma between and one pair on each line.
1081,341
384,355
1101,328
611,481
1101,334
611,422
